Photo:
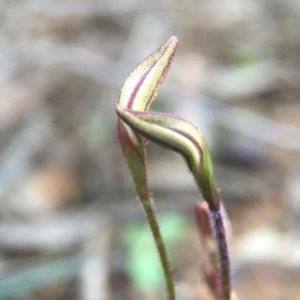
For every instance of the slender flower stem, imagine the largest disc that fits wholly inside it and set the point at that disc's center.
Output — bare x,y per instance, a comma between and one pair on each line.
161,248
222,253
136,160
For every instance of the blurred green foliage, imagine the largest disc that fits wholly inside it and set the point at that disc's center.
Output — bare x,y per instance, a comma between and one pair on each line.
142,263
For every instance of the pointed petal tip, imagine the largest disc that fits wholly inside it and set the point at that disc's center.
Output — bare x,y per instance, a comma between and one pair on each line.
173,39
172,42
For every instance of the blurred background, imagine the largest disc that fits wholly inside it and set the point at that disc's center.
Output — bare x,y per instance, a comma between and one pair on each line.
70,224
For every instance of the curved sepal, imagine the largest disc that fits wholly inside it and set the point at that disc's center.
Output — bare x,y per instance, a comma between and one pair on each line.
179,135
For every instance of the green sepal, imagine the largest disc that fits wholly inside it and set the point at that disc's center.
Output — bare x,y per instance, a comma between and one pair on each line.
179,135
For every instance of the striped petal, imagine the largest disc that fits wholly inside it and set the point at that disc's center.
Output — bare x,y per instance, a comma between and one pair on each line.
142,85
179,135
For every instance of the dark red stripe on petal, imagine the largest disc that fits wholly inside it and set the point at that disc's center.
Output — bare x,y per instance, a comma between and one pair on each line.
136,89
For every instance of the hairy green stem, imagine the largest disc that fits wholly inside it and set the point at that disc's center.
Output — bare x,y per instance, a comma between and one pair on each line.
161,248
135,156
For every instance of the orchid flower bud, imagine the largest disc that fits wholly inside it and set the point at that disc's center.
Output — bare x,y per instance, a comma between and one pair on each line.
135,126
